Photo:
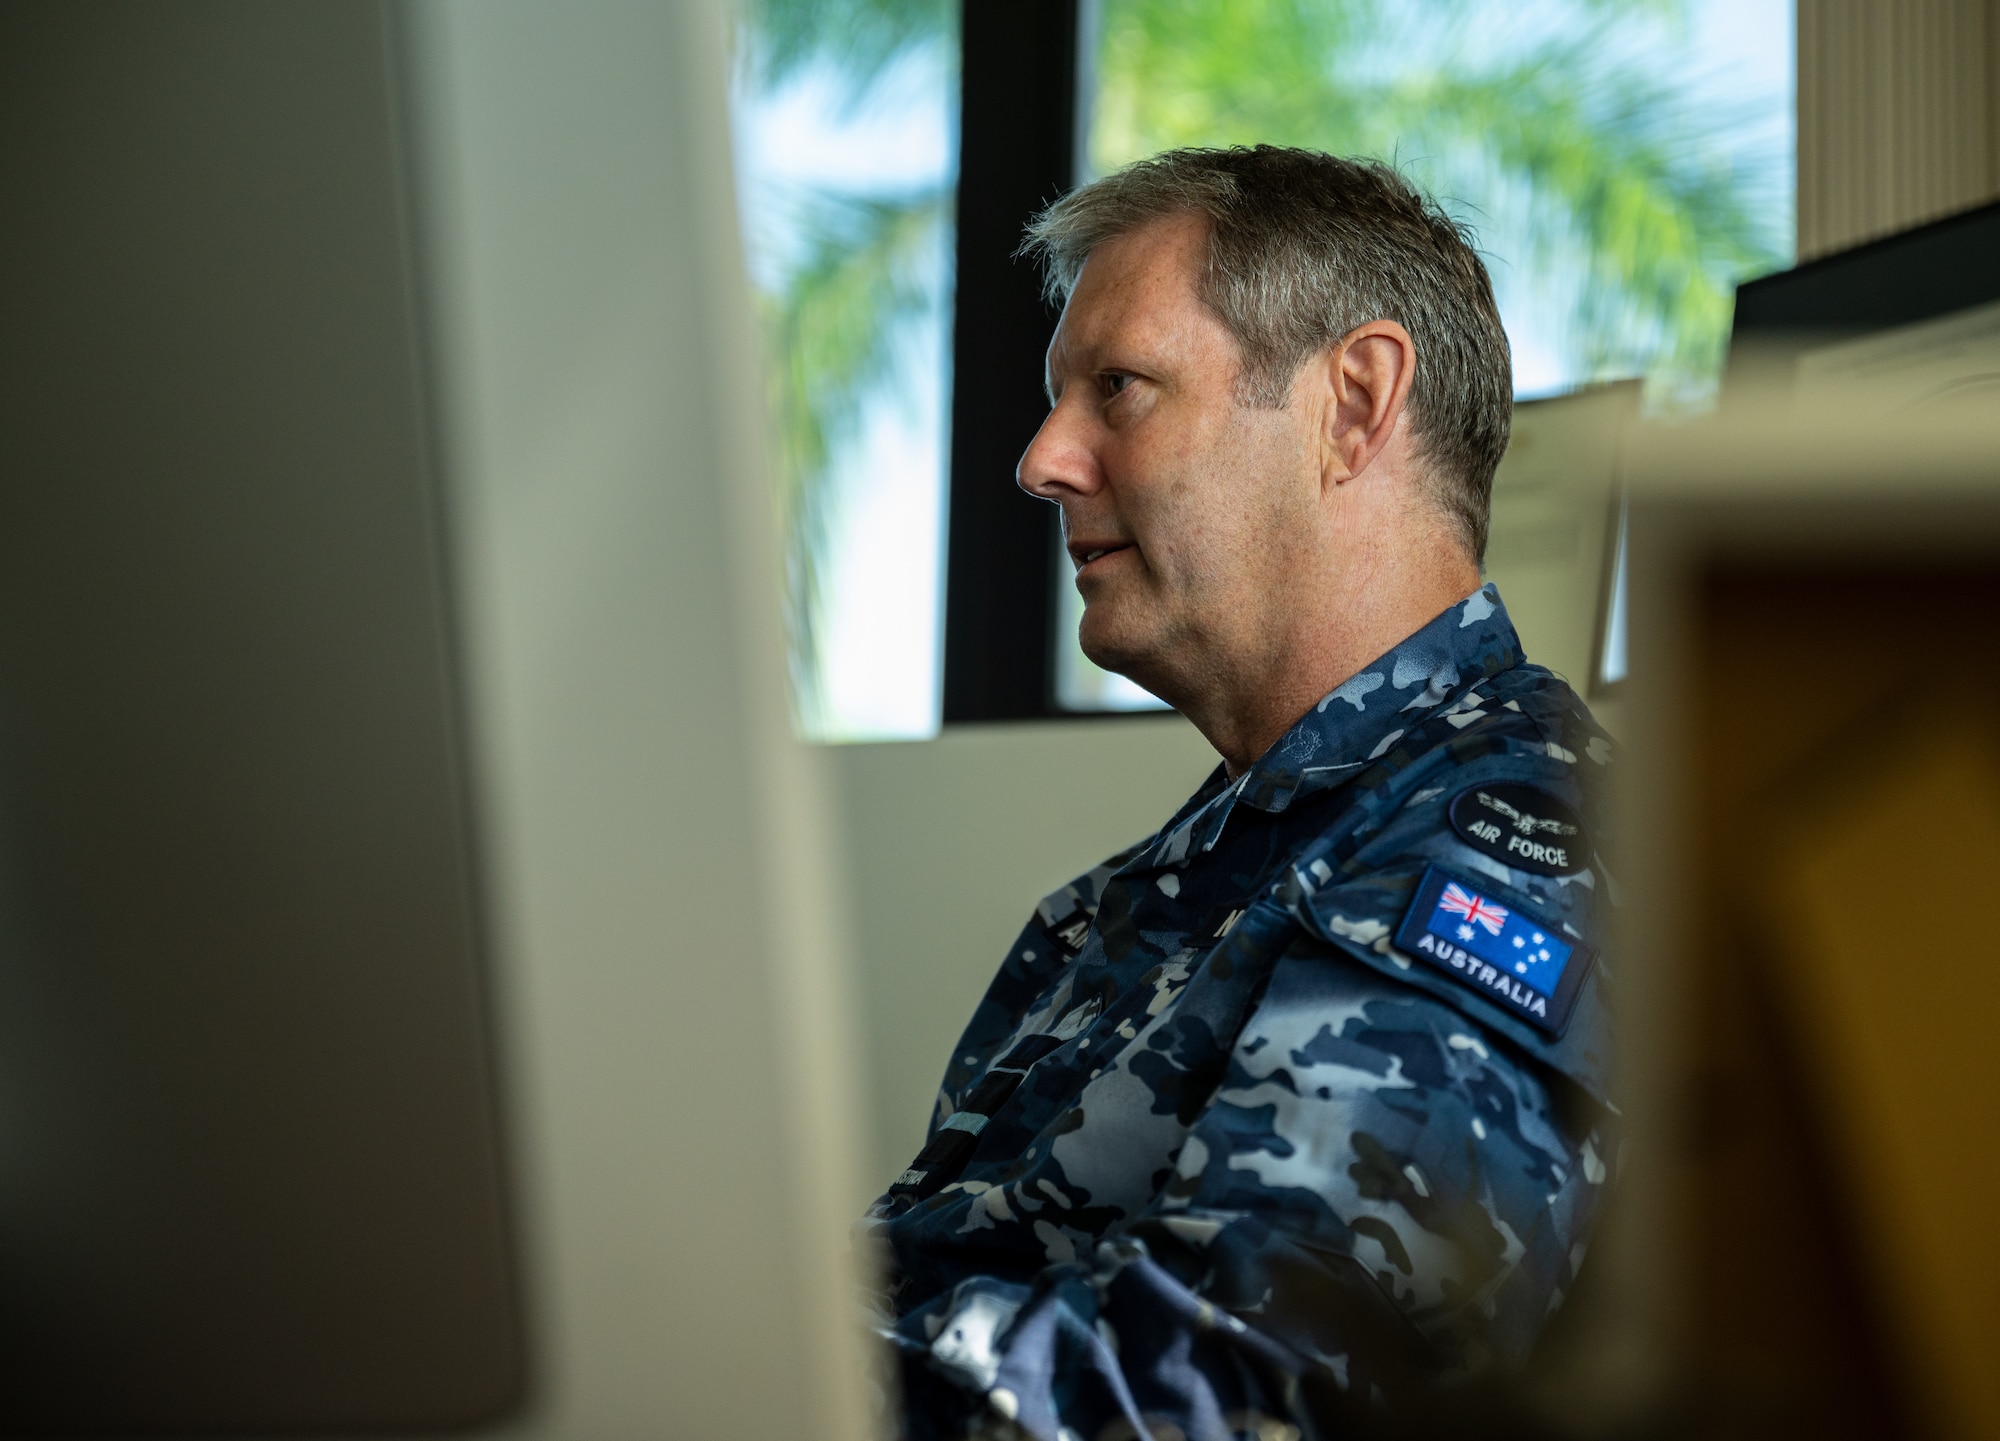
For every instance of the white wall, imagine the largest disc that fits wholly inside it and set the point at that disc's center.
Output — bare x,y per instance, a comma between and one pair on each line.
947,846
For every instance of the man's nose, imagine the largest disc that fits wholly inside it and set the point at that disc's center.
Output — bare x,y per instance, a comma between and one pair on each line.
1060,461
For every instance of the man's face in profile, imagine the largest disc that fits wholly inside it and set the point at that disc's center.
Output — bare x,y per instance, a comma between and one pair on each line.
1188,512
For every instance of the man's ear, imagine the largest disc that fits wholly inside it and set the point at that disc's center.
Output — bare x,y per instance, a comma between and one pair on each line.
1368,376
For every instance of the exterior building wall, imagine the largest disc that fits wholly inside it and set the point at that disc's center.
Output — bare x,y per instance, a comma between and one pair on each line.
1899,115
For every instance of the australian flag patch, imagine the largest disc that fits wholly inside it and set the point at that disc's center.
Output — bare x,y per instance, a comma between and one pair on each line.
1511,958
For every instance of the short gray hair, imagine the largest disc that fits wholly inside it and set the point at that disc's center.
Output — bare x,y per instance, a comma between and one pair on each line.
1304,247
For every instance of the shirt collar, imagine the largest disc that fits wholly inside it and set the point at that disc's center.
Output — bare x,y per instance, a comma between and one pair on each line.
1366,714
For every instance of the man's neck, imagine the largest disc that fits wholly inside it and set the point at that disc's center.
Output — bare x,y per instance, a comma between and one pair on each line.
1244,714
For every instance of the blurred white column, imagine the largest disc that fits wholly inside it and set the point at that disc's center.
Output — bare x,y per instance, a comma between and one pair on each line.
674,1003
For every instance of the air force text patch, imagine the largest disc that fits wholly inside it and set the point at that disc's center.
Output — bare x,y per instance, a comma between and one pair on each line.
1071,931
1506,955
1521,826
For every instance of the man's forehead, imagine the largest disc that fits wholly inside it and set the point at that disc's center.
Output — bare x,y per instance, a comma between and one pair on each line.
1134,289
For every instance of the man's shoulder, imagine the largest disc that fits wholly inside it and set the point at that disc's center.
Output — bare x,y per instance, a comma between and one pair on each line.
1524,721
1532,703
1549,701
1494,805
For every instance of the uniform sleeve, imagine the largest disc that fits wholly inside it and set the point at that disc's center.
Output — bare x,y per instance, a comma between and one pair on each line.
1380,1194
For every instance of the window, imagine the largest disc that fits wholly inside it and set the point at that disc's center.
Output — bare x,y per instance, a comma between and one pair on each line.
1623,166
846,124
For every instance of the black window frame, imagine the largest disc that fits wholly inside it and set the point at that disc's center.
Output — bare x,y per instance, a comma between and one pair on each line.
1017,152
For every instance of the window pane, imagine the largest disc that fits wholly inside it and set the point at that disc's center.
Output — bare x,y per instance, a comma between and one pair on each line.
1611,665
1079,684
846,120
1622,164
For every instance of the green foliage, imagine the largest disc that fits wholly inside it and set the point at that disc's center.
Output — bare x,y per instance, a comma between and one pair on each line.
854,40
1621,180
860,268
833,330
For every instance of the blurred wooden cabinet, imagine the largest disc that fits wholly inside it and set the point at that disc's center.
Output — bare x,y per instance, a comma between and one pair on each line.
1811,845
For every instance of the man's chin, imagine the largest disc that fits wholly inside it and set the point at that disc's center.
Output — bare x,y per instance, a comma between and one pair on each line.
1114,648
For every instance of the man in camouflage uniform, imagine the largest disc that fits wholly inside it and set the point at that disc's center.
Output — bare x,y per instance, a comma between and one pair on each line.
1296,1106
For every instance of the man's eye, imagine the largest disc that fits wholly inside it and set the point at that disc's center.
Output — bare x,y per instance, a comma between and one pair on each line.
1115,381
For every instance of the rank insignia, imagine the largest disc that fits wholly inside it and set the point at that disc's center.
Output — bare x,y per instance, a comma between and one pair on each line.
1522,826
1514,960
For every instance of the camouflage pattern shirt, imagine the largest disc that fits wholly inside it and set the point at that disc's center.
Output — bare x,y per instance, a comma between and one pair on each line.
1300,1100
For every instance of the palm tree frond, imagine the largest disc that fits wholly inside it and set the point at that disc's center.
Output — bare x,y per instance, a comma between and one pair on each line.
854,41
866,272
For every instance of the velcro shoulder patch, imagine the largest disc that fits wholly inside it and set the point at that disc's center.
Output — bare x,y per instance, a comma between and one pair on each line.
1495,949
1522,826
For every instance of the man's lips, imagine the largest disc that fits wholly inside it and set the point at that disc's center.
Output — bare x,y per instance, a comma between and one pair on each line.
1086,553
